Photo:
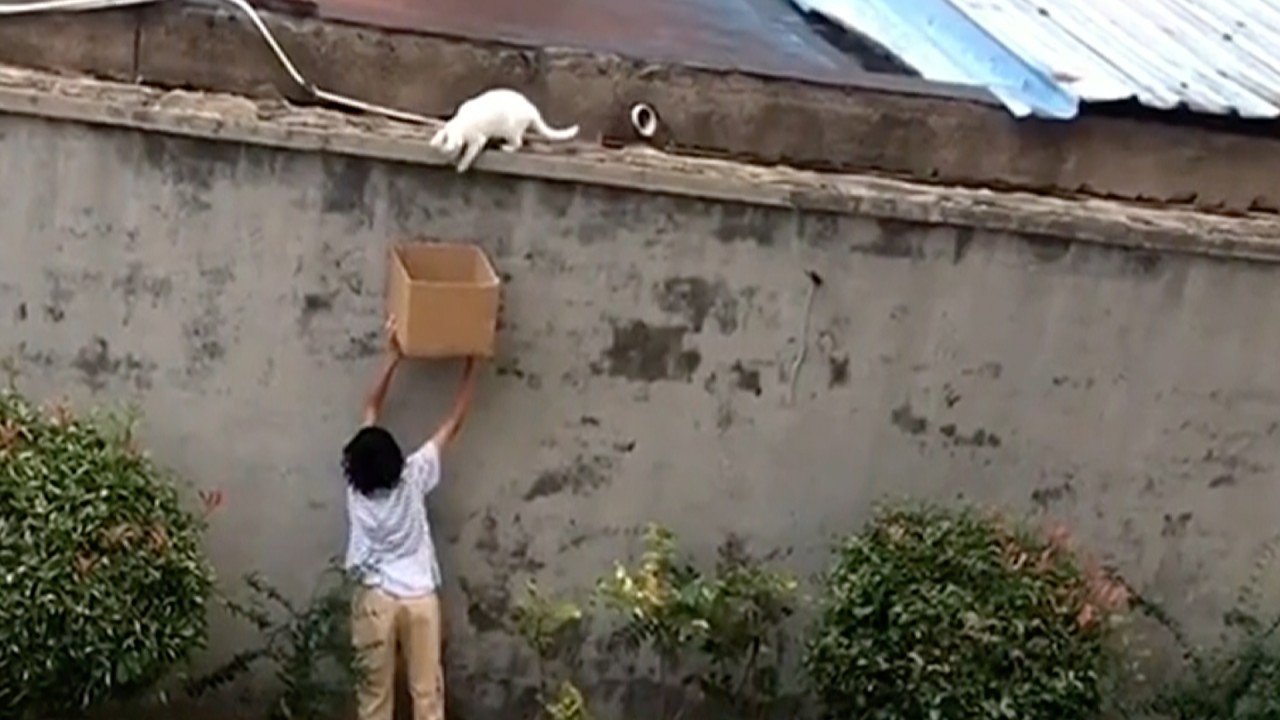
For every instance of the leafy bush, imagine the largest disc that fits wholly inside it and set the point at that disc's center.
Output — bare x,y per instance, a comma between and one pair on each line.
552,629
722,631
102,579
951,615
1239,679
316,666
719,633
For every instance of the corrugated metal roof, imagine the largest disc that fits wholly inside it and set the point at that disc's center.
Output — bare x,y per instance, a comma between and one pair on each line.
944,45
1044,57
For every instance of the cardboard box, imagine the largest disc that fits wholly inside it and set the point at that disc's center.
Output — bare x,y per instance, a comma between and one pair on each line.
445,299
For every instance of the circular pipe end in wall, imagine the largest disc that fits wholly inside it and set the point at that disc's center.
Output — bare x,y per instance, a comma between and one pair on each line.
644,119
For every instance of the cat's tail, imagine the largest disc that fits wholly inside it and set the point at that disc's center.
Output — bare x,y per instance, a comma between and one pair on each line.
551,133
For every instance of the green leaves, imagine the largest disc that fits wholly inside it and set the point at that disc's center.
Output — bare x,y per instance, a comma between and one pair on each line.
723,628
315,663
948,614
546,623
102,578
553,628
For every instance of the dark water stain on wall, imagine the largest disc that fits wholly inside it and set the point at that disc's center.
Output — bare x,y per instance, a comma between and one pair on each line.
98,365
988,371
191,166
963,239
978,438
61,293
908,422
35,357
1098,261
894,239
695,298
950,396
312,305
818,228
203,332
604,211
260,164
1141,262
204,345
1223,480
580,477
1046,497
345,189
487,605
739,222
481,201
556,199
648,353
1175,526
837,371
136,284
403,196
359,346
746,379
506,551
1048,249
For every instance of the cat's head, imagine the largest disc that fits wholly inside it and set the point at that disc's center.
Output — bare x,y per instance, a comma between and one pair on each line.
446,141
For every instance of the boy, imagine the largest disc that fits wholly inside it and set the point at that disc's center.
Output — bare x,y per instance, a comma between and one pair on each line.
390,549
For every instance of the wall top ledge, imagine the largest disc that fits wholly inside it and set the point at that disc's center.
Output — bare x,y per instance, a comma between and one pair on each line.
229,118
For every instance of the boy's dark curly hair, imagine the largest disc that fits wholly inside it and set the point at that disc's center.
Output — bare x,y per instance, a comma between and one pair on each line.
372,460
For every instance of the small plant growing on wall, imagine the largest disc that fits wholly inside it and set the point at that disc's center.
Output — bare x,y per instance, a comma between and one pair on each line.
553,628
307,646
1239,678
951,614
102,579
720,632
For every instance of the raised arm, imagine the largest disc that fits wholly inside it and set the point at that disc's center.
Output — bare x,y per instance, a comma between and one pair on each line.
378,393
461,404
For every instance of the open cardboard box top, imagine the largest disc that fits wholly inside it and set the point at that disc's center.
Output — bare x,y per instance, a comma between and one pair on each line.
446,264
445,297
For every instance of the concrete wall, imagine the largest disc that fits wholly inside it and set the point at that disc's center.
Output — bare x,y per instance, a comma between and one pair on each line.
925,132
236,293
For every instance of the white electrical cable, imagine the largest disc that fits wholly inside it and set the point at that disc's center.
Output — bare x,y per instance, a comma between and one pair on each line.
66,6
44,6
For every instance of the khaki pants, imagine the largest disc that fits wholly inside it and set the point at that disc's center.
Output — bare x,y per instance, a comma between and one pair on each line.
379,623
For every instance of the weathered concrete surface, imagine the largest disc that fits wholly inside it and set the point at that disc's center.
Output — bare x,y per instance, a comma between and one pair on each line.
235,291
238,119
900,127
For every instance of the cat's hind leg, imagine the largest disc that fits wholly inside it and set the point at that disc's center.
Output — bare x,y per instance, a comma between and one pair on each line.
513,142
474,146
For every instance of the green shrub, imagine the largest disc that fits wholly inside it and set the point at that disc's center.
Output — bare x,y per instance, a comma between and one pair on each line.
943,614
102,579
553,629
316,666
719,632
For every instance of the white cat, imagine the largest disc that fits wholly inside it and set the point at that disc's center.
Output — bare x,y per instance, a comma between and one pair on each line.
499,114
